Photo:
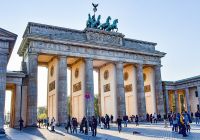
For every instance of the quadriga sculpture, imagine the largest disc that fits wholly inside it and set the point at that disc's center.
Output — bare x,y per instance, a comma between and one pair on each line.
105,25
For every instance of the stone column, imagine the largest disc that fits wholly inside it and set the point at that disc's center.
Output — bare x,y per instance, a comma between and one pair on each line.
62,90
32,89
167,101
198,90
121,105
140,91
176,100
187,100
3,65
158,90
17,104
89,88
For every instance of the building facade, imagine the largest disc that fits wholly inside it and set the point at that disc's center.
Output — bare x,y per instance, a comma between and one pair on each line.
182,95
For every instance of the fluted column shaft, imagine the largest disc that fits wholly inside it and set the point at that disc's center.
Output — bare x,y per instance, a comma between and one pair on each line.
62,90
140,91
121,106
167,101
89,88
3,65
187,100
176,101
32,89
158,90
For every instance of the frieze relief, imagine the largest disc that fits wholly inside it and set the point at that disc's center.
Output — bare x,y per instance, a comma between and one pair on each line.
102,38
57,48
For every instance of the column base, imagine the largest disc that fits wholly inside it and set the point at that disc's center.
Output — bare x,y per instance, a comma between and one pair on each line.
2,132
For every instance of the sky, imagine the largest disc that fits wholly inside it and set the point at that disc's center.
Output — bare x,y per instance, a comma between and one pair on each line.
173,24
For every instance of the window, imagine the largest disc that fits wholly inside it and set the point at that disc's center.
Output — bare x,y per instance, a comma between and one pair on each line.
196,93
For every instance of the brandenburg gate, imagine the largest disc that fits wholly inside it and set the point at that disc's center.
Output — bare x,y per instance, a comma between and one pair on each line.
129,73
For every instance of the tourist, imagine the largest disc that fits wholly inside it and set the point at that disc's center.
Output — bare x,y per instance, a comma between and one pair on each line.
147,117
151,118
111,118
75,125
175,123
68,126
125,120
197,115
82,125
103,124
155,117
183,126
47,120
94,126
136,120
107,119
21,121
53,124
119,124
86,126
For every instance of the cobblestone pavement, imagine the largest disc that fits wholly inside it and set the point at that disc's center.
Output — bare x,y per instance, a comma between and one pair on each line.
147,132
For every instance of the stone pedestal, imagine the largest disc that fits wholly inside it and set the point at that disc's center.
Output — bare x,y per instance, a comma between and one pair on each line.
176,100
158,90
62,90
89,88
32,90
140,91
167,101
187,100
121,105
3,65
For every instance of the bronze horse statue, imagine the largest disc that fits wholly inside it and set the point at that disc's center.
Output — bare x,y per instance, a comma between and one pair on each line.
113,26
105,25
96,23
89,21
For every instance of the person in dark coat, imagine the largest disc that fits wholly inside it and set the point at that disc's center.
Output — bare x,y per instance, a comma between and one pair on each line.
75,125
107,118
21,121
69,126
94,126
136,120
111,118
119,124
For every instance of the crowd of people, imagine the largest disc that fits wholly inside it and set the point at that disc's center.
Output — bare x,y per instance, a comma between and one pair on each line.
180,122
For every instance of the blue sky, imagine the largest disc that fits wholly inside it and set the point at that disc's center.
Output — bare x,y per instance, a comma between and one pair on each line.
173,24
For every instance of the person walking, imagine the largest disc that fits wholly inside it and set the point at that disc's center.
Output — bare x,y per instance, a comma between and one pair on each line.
94,126
155,117
119,124
197,115
111,118
107,121
47,120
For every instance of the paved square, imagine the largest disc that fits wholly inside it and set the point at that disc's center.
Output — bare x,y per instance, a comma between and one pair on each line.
147,132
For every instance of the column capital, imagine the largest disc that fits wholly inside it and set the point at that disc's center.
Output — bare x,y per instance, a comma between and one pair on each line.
138,65
33,53
88,59
62,56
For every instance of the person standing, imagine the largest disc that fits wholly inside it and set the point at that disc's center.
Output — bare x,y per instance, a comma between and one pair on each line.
47,122
155,117
69,126
136,120
53,124
197,117
21,121
75,125
111,117
119,124
107,121
94,126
